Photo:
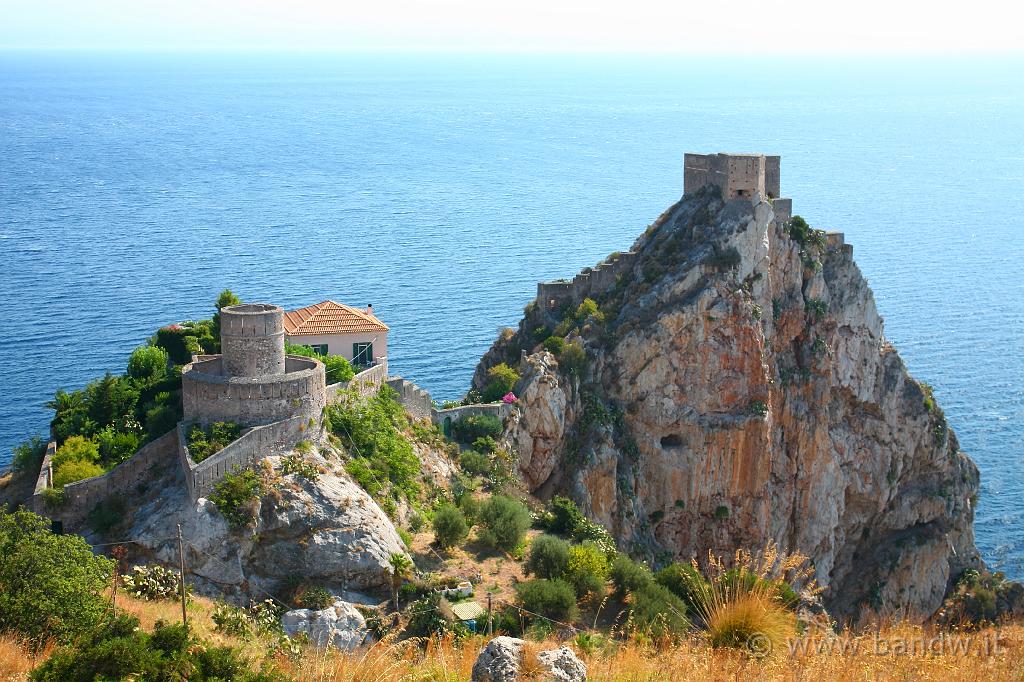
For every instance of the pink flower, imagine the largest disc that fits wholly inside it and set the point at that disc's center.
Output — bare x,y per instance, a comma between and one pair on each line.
509,398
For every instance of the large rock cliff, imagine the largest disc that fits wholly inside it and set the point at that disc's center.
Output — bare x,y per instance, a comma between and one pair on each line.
738,389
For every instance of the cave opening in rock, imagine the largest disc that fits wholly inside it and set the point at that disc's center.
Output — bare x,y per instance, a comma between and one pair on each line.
671,441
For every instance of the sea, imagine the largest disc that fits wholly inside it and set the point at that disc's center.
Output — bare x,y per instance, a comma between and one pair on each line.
441,188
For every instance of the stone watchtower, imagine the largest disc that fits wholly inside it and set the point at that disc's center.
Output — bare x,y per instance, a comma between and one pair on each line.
252,382
738,176
252,340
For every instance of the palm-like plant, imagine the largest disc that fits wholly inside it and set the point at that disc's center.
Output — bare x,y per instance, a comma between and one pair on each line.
401,569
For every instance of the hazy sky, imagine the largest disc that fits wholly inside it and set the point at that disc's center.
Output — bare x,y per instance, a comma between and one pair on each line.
701,26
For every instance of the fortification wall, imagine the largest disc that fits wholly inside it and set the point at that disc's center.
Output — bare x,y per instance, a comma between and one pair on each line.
416,401
773,176
208,396
45,478
252,340
591,282
243,453
783,210
81,497
446,418
736,175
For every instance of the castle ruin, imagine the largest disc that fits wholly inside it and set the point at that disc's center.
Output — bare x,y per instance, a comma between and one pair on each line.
252,381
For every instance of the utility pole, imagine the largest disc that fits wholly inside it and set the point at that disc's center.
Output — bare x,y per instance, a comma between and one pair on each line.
489,621
181,566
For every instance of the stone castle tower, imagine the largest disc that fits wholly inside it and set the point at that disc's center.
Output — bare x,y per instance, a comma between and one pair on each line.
252,381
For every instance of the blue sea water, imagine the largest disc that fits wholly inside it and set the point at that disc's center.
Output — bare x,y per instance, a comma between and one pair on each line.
134,187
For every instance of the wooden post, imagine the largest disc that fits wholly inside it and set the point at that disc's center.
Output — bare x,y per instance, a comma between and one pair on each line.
489,621
181,566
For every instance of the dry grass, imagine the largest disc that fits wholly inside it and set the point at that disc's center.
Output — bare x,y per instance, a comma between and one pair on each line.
897,652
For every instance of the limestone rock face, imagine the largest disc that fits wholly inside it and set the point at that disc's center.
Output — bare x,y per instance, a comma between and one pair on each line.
339,626
740,391
499,660
328,531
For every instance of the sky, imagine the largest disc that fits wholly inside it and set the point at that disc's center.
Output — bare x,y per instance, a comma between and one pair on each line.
724,27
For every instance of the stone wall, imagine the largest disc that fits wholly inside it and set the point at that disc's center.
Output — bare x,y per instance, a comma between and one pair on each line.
252,340
736,175
416,401
365,383
81,497
243,453
447,417
208,395
590,282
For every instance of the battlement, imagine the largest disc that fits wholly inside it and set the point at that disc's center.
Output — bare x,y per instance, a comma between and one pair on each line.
738,176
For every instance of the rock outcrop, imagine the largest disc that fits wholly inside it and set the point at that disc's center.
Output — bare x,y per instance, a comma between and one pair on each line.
339,626
327,531
738,389
501,660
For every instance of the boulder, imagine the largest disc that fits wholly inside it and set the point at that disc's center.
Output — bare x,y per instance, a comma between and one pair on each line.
339,626
499,661
562,665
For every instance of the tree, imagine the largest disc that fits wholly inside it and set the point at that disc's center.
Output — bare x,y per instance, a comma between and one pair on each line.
554,599
226,298
76,449
51,586
549,556
148,364
587,569
69,472
401,568
502,379
504,522
28,456
450,527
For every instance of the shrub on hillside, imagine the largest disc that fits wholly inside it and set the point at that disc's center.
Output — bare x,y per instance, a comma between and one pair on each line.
52,585
116,446
235,497
587,570
71,472
316,598
629,576
504,522
468,429
28,455
371,430
501,380
450,527
573,358
475,463
548,558
76,449
653,609
553,599
122,651
684,581
152,583
148,364
554,345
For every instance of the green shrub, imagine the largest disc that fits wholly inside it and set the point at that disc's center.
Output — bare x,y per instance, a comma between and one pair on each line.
588,311
684,581
425,620
468,429
371,429
504,522
553,599
235,496
160,420
450,527
721,512
549,557
475,463
554,345
124,652
152,583
28,455
69,472
203,443
148,364
501,380
567,516
52,585
116,446
724,259
486,445
298,465
76,449
573,358
470,507
656,611
316,598
336,367
587,569
629,576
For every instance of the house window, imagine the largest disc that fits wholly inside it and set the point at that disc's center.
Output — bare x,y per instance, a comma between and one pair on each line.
362,354
318,348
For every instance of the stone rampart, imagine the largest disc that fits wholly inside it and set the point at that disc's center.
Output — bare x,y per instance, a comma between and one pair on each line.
209,395
82,497
591,282
416,401
454,414
45,478
243,453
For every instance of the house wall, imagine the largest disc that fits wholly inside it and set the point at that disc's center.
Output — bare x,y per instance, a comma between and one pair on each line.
341,344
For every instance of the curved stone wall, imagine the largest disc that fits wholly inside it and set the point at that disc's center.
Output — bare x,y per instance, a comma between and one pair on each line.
252,339
209,394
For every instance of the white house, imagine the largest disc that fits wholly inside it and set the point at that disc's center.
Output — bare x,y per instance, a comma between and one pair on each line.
332,328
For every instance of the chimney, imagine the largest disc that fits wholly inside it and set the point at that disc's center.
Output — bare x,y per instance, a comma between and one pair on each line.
369,308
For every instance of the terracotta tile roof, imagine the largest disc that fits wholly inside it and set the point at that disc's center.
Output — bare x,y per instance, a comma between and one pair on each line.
329,317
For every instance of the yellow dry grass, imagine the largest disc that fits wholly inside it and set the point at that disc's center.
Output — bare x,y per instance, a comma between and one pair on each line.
896,652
